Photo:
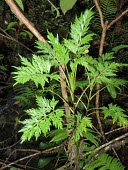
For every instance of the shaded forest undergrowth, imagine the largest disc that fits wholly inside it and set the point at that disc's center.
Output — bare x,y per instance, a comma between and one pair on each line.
23,156
42,154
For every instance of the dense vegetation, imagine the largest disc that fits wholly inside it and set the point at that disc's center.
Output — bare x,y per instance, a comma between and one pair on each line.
64,96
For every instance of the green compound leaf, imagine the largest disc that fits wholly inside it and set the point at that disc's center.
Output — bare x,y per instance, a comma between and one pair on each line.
117,114
105,162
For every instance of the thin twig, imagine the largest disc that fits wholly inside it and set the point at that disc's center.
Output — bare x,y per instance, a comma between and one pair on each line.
19,165
26,157
64,91
105,149
22,18
103,39
105,26
5,148
98,87
81,96
116,130
106,144
13,39
122,140
115,20
100,13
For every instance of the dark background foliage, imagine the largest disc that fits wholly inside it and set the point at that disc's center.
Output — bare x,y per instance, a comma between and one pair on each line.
44,18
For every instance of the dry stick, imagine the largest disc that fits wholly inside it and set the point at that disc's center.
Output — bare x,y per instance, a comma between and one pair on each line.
19,165
12,163
122,140
6,35
104,28
22,18
64,91
105,149
116,130
98,87
119,141
107,146
13,39
37,152
100,13
10,146
121,15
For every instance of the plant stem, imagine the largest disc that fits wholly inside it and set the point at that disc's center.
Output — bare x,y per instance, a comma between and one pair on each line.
64,92
98,87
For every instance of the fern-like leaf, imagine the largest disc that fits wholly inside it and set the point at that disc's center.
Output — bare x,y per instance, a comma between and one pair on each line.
109,9
41,119
79,41
106,162
47,52
61,54
37,71
117,114
82,126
